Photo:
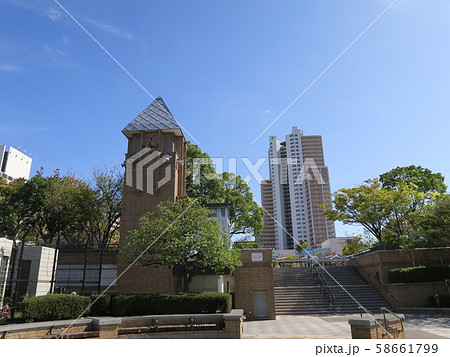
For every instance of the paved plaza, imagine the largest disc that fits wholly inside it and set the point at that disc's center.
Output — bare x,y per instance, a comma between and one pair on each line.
336,326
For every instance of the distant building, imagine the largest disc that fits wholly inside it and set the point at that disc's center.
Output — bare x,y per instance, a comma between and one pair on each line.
35,272
222,213
267,238
336,244
5,257
14,164
300,186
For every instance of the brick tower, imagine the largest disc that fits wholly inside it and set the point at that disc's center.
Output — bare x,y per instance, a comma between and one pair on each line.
155,171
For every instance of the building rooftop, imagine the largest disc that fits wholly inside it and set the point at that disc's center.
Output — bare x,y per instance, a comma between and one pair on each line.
157,116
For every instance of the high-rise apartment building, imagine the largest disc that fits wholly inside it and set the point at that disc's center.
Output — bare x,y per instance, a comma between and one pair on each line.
267,238
300,188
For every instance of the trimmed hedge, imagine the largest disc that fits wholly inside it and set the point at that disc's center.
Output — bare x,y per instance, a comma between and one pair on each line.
419,274
101,307
165,303
54,307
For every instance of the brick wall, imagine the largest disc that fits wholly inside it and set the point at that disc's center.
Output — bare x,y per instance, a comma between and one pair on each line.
254,276
228,326
146,280
391,328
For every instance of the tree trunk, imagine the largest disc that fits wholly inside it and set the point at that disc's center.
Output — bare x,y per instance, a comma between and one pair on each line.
187,279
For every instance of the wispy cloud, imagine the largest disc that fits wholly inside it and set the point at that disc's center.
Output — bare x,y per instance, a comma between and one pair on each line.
54,53
265,111
113,30
9,67
24,129
56,57
53,14
41,8
65,40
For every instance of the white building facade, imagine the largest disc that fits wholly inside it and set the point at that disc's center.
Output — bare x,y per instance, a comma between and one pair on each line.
14,163
5,258
300,185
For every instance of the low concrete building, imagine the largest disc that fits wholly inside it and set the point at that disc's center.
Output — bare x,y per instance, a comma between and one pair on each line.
5,258
35,270
336,244
222,213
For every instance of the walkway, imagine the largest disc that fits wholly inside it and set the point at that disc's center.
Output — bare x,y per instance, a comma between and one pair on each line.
336,326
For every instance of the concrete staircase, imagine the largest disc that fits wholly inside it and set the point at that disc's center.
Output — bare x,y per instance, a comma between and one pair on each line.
297,293
350,279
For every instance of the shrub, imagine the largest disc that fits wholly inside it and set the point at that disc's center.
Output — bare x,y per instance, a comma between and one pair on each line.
54,307
101,307
161,303
419,274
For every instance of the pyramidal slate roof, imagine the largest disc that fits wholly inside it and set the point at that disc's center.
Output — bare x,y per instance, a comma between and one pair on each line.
156,116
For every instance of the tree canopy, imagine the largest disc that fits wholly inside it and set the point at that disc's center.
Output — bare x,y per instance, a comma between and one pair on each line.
404,209
181,234
61,208
208,186
433,225
417,177
355,245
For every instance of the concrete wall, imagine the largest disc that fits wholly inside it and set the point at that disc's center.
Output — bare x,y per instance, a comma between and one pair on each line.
374,268
416,294
380,262
252,277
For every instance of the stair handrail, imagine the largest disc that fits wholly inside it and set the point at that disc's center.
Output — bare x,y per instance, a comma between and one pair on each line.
385,310
325,287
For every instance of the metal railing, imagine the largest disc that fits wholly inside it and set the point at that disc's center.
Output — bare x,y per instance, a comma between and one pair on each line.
385,310
324,286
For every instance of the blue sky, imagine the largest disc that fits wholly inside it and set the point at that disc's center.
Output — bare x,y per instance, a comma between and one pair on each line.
226,70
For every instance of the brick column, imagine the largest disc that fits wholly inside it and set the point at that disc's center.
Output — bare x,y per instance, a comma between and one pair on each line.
108,327
234,323
368,328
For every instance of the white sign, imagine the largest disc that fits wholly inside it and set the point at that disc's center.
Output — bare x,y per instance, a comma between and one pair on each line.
257,257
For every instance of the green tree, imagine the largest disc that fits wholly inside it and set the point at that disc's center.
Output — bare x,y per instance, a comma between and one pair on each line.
433,225
355,245
209,187
181,234
103,223
384,213
62,209
416,177
368,205
247,242
301,246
